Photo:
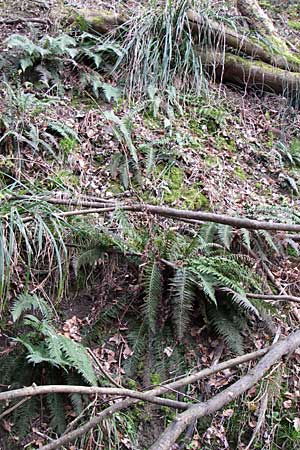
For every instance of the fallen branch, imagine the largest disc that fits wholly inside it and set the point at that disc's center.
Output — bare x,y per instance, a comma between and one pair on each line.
164,211
279,298
24,20
65,389
174,430
157,391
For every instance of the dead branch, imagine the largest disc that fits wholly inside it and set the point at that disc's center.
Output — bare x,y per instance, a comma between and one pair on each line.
172,433
157,391
164,211
65,389
278,298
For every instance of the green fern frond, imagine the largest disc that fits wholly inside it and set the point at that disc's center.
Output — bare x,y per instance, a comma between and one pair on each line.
269,241
182,296
153,290
90,256
137,341
226,328
208,231
77,358
23,416
242,302
246,237
63,130
28,302
225,234
55,405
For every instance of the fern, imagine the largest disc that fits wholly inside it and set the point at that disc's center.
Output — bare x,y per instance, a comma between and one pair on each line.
63,130
224,325
77,357
25,302
225,235
137,341
182,296
90,256
57,413
57,350
153,290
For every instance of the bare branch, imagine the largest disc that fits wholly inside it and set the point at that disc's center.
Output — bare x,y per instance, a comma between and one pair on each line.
278,298
171,434
164,211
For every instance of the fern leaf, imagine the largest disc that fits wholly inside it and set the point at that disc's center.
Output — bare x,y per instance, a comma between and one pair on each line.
225,327
78,358
25,302
57,413
182,296
153,289
225,235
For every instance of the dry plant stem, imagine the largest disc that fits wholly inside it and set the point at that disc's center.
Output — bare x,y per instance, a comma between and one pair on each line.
104,372
280,298
260,419
23,20
157,391
174,430
37,390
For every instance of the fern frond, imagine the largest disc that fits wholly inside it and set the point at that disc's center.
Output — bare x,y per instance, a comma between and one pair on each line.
225,234
78,358
90,256
25,302
182,296
208,231
153,289
242,302
55,405
225,327
137,341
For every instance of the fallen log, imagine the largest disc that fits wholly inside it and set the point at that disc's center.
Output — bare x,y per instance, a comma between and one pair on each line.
265,64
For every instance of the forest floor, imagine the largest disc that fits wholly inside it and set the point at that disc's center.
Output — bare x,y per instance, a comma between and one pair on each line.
238,154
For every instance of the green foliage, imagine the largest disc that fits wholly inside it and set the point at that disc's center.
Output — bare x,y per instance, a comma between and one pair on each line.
153,292
44,345
20,126
31,232
182,297
158,49
230,330
25,302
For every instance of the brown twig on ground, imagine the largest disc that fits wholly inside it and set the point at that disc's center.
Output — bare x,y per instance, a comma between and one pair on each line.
17,20
182,421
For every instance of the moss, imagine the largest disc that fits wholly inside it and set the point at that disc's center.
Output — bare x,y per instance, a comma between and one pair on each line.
212,161
68,145
240,173
222,143
155,379
190,196
294,24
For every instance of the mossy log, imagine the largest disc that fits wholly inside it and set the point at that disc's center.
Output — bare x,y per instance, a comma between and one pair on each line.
223,36
245,72
98,20
248,61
